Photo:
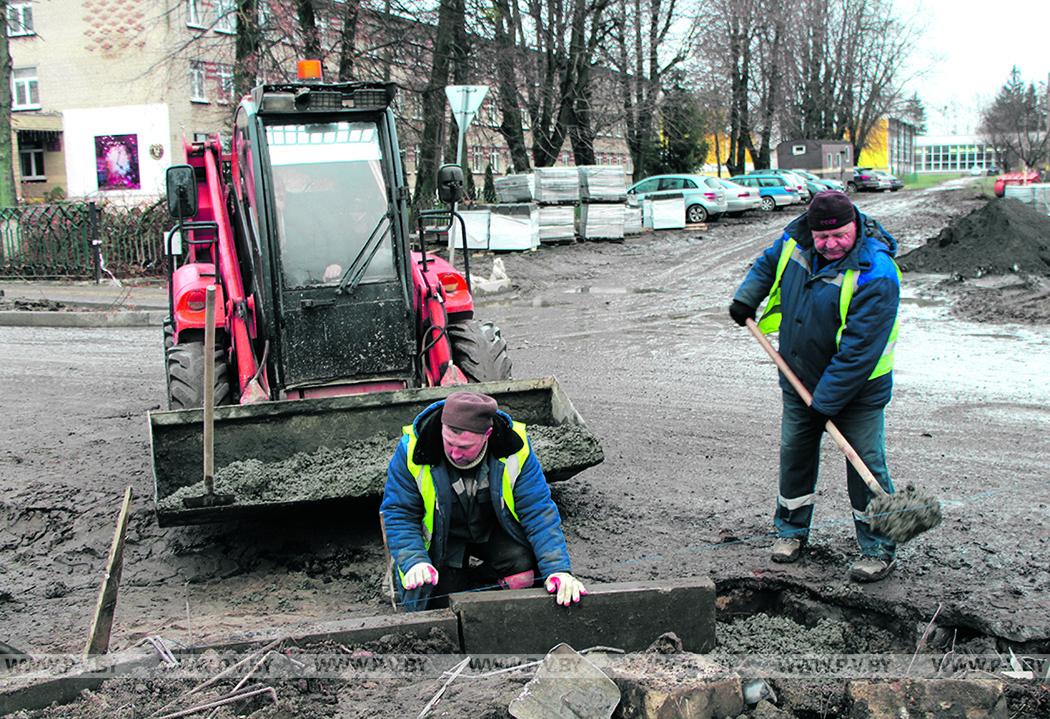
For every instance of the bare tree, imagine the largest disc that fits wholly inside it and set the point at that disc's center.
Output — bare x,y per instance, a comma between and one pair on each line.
8,196
1016,122
641,30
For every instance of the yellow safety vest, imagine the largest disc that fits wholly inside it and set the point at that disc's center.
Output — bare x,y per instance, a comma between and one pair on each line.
425,480
771,315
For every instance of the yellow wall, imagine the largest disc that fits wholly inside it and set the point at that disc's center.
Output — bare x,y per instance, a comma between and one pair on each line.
876,153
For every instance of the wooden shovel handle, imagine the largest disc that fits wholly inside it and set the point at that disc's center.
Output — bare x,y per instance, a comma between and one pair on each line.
840,440
209,389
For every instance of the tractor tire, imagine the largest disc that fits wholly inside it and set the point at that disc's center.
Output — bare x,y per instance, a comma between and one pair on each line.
479,350
185,368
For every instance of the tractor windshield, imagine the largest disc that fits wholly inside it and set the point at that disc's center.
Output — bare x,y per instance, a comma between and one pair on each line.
330,194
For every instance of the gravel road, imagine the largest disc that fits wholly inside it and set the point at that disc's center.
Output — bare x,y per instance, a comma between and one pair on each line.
685,403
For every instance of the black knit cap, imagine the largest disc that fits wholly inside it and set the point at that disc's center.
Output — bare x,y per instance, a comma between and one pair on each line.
830,210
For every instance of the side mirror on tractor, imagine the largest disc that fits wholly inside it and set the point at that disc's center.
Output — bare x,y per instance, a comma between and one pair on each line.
182,192
450,183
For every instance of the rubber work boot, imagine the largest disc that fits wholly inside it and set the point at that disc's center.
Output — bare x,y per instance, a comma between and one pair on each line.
871,569
786,550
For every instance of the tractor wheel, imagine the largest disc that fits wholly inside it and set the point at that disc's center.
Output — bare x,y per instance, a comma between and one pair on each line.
185,365
479,350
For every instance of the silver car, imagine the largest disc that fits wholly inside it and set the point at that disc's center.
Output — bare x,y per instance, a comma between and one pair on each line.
739,199
702,202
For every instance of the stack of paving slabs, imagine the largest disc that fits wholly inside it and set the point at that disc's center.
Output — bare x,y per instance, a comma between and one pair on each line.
602,183
603,191
557,223
477,223
600,221
514,227
557,185
515,188
632,220
666,212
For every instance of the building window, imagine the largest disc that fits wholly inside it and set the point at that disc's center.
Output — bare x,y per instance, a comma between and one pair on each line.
197,90
476,157
19,19
32,162
565,158
798,150
494,159
193,13
224,74
226,16
264,12
25,93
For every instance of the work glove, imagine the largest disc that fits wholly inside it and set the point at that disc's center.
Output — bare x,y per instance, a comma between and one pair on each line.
420,574
568,587
741,313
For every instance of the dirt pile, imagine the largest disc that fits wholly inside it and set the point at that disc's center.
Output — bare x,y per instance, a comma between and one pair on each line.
359,469
1003,236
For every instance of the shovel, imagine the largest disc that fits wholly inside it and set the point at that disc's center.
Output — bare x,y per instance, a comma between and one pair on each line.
900,516
209,498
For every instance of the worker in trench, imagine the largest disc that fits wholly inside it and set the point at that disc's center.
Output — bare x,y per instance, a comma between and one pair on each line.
465,485
833,290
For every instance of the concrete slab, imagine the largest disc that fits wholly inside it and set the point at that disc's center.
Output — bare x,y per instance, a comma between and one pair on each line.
27,689
625,615
566,686
344,631
113,318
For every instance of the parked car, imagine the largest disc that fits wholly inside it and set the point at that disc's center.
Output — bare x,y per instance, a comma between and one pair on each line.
739,199
1014,178
825,183
791,176
865,179
703,202
775,190
894,183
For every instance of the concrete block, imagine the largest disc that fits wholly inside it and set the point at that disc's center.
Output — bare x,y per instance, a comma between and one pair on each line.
626,615
345,631
26,689
928,698
566,686
674,686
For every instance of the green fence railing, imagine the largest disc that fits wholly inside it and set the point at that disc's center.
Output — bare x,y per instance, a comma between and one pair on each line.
80,239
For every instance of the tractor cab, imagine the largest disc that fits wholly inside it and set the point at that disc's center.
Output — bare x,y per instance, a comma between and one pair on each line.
317,175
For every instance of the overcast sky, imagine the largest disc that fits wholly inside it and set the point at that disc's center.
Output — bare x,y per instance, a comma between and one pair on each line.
965,51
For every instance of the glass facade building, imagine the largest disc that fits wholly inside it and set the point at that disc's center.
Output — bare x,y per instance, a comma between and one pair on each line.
954,153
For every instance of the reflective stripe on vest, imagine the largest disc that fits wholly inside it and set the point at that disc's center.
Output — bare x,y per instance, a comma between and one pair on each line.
772,314
425,481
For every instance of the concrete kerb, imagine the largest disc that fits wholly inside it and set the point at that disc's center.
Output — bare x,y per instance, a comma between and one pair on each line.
39,689
113,318
627,614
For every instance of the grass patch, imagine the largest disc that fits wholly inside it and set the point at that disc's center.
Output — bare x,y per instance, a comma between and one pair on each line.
921,182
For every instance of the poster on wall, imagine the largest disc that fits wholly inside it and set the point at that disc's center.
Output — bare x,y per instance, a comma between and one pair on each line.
117,162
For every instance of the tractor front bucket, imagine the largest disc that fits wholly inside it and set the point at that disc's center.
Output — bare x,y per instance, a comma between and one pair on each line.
298,453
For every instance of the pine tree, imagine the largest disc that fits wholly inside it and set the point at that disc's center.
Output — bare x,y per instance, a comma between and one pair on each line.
488,193
469,190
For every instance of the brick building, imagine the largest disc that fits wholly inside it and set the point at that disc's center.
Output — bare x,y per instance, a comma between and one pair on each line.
100,109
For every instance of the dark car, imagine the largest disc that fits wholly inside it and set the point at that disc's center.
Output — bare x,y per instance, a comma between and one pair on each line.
865,179
895,183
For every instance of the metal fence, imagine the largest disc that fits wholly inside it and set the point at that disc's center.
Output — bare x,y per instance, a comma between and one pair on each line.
79,240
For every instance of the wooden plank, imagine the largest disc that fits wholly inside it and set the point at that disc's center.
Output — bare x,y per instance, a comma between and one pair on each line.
102,624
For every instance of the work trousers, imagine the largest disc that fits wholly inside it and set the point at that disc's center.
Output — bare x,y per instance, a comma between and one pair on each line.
800,434
501,556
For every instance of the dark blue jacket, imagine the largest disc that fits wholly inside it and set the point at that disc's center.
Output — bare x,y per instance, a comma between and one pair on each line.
837,376
402,507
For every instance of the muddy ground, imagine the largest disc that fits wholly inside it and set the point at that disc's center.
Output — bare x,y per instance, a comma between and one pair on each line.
685,403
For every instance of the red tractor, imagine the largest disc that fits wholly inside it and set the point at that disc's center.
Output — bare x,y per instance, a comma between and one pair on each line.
328,323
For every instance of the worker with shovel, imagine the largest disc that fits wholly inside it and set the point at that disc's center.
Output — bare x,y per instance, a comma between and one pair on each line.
464,484
833,290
